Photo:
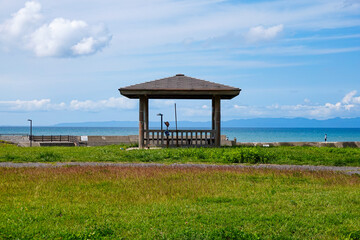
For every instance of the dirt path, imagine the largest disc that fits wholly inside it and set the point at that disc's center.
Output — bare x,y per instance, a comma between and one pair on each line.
346,170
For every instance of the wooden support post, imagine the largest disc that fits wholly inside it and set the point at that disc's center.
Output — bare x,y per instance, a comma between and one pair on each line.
146,113
146,121
212,135
141,121
217,121
213,114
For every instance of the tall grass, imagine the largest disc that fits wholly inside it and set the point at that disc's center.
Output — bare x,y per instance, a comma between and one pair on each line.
275,155
168,203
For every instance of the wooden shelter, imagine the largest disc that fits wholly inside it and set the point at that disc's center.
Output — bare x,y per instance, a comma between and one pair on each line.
179,87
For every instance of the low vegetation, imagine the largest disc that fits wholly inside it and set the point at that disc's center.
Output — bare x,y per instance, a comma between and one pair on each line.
184,203
227,155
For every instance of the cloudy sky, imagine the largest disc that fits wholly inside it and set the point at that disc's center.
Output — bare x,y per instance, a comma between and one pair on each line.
63,61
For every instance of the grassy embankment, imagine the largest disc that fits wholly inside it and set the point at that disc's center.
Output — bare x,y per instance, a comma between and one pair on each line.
274,155
168,203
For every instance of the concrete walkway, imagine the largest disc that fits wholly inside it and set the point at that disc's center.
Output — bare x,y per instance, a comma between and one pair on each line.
345,170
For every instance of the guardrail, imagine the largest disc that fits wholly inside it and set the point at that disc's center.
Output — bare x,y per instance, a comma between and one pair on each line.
179,138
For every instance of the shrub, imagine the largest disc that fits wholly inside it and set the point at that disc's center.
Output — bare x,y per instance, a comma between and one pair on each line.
49,157
246,155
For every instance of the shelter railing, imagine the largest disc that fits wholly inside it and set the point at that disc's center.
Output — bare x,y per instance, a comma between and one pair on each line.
179,138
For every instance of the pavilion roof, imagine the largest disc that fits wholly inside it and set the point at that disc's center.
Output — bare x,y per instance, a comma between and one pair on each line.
180,87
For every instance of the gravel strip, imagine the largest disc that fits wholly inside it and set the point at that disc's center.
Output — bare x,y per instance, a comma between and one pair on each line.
345,170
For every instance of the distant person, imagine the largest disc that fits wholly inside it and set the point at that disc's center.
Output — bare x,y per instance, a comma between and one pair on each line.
325,137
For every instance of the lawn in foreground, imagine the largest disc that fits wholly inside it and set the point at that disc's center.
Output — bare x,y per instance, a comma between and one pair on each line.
177,203
274,155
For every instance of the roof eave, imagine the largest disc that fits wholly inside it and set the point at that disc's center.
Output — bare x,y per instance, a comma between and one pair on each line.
180,94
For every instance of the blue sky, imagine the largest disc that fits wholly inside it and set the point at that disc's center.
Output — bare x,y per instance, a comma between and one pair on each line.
63,61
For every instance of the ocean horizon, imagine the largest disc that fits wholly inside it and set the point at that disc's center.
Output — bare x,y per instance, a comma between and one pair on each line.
241,134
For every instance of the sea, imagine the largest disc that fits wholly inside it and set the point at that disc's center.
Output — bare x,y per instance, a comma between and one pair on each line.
241,134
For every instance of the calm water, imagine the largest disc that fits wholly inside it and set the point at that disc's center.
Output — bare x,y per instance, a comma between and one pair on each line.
242,134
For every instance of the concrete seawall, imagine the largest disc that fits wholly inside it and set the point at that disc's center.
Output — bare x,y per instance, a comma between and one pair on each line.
133,139
110,140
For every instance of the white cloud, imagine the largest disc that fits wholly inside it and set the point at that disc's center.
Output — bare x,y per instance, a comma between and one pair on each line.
295,51
89,45
194,111
32,105
111,103
63,38
349,106
74,105
356,100
261,33
239,107
349,97
22,21
58,38
163,103
174,22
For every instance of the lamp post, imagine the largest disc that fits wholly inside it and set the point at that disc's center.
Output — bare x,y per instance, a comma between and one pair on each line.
30,138
161,115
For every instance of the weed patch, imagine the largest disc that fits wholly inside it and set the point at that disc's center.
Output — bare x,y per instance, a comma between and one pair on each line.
170,203
228,233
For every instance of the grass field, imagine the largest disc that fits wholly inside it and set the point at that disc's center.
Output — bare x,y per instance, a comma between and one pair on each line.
168,203
275,155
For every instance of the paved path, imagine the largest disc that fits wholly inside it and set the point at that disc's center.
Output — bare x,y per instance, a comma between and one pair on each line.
346,170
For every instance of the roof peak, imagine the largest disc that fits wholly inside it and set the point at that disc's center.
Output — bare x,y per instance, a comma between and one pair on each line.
180,74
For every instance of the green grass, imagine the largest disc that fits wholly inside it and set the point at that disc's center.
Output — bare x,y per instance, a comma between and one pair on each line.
168,203
275,155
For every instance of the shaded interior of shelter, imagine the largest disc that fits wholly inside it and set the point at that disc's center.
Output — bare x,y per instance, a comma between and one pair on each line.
179,87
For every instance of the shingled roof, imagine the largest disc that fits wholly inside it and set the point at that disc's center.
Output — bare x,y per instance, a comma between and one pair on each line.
180,87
